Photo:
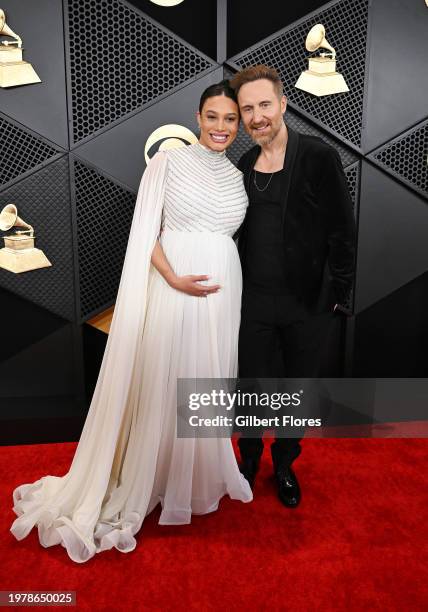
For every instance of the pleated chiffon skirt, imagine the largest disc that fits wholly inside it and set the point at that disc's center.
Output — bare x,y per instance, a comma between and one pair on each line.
183,337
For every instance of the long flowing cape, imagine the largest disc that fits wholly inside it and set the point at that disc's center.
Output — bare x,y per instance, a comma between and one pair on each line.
74,501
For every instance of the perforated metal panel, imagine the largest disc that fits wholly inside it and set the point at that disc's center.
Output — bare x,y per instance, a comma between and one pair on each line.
43,200
353,175
346,30
20,151
406,157
104,213
243,142
120,61
347,156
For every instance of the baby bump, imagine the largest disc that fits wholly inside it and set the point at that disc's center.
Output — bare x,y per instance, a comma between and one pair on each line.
205,328
204,253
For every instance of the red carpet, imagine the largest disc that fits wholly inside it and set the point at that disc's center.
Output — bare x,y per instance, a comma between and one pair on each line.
358,541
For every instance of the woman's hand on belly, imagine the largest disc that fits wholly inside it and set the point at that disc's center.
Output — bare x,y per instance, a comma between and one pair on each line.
190,284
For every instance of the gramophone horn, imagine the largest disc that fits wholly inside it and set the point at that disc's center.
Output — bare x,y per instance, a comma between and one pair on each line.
9,218
5,29
316,39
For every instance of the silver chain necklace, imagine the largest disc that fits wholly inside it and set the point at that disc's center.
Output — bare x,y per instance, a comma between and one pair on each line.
270,178
267,184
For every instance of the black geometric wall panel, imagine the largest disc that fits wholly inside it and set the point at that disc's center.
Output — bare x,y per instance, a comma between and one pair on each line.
40,106
43,200
50,373
121,60
104,212
406,157
397,75
188,20
105,151
21,151
394,330
276,15
392,237
352,174
346,30
347,156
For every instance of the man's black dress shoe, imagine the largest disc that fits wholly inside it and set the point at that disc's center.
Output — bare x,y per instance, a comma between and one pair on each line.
288,487
249,469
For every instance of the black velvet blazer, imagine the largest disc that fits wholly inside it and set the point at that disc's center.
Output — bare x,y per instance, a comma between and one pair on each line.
317,220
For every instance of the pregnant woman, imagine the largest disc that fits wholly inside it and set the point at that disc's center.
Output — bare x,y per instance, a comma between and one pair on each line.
177,315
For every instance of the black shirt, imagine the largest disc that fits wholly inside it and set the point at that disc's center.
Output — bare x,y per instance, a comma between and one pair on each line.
263,269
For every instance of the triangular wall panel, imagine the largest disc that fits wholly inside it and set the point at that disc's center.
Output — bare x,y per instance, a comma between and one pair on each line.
43,200
21,151
346,23
397,76
406,158
130,135
120,61
40,106
104,212
188,20
392,237
391,336
276,15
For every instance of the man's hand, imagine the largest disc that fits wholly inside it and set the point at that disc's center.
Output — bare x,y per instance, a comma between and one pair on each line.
189,284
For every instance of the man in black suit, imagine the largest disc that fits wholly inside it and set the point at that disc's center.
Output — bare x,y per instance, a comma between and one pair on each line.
297,249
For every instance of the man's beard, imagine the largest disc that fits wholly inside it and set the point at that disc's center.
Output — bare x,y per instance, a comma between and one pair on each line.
266,139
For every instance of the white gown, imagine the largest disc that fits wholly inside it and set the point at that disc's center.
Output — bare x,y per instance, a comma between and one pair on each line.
128,458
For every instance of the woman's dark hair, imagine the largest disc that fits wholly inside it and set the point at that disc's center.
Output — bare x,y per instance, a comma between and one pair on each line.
218,89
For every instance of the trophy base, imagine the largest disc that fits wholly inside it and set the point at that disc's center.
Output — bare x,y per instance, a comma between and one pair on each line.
321,84
17,73
23,261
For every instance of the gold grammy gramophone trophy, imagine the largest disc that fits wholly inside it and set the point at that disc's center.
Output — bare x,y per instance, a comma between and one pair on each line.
13,69
19,254
321,79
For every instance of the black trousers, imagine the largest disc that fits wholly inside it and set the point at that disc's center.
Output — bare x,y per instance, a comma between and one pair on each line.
279,338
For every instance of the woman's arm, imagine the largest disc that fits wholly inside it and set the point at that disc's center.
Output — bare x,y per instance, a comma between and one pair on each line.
188,284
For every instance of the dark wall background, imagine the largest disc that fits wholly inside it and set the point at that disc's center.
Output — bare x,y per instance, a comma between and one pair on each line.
193,20
250,21
113,71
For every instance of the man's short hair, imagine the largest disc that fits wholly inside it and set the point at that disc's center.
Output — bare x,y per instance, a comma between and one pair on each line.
254,73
